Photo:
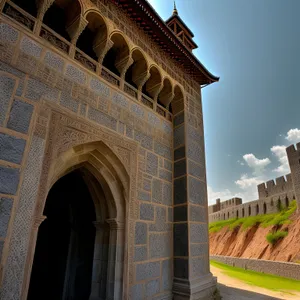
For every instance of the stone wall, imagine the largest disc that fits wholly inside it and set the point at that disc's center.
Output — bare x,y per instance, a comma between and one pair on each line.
273,188
34,74
284,269
293,154
272,194
46,97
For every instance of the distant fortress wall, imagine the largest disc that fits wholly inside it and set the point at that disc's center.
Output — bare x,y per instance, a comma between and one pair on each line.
272,194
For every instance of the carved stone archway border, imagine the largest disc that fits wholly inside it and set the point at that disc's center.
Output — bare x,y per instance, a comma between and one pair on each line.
65,131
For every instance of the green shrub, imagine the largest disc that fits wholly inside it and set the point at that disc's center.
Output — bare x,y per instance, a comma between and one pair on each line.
273,237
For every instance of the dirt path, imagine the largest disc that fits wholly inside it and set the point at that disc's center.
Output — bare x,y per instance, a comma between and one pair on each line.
235,289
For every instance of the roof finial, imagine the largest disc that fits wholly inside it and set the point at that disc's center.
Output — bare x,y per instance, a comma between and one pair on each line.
175,12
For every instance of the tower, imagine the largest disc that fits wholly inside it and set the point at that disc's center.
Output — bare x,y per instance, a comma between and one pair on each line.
181,30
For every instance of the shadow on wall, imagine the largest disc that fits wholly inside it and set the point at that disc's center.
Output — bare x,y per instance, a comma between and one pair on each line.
229,293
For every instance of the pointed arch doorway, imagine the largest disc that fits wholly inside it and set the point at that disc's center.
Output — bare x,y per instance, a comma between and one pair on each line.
79,253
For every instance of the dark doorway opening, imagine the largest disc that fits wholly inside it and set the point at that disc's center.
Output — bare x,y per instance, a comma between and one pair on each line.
63,261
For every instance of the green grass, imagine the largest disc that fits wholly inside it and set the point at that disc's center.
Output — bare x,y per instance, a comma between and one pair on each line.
267,281
275,219
273,237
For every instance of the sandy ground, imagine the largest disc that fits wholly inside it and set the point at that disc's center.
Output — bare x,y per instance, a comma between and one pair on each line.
235,289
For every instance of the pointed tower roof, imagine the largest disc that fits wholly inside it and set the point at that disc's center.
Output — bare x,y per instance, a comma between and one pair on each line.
175,12
176,16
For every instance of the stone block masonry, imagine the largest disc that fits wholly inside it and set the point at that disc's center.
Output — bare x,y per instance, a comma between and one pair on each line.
284,269
143,163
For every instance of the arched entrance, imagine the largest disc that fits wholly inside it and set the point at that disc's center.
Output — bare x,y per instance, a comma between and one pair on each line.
63,261
80,253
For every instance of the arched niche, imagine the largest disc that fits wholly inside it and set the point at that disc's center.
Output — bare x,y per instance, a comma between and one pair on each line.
29,6
243,212
92,40
166,95
117,56
249,211
107,181
257,209
137,73
177,103
61,15
153,85
287,203
265,208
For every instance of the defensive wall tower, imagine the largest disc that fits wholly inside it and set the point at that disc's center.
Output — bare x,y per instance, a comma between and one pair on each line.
293,153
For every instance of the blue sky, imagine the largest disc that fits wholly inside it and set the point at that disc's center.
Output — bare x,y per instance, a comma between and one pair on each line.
253,113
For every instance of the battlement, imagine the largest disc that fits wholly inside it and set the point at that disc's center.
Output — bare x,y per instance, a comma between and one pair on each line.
290,150
233,202
271,187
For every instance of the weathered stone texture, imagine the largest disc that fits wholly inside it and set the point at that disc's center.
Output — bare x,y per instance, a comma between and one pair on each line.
197,191
160,245
152,164
7,86
37,90
152,287
140,253
167,275
101,118
5,211
11,148
148,270
137,291
9,180
141,233
68,102
146,212
20,116
21,225
198,233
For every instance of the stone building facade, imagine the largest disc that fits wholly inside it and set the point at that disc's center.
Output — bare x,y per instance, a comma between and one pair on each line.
102,164
271,194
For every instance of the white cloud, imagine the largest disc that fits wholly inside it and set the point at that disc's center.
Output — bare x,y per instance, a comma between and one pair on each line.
293,135
258,165
249,186
248,183
213,195
280,153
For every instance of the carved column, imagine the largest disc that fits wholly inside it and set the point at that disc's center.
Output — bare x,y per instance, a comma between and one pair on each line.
74,30
192,277
101,50
99,278
42,7
122,65
114,287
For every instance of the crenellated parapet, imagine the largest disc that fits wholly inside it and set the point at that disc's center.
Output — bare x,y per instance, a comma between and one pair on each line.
280,185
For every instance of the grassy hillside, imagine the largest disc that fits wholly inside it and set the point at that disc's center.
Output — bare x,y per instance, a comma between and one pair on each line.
275,220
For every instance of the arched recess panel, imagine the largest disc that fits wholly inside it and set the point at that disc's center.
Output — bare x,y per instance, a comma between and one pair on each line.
64,254
177,103
165,96
60,15
117,57
137,72
93,39
27,5
153,84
